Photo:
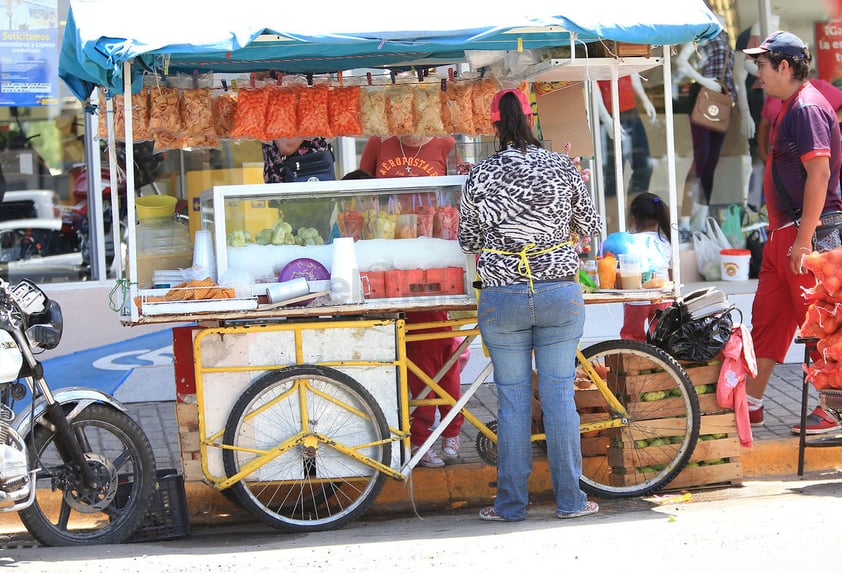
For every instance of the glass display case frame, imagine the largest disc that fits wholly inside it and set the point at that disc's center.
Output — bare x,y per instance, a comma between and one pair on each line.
253,209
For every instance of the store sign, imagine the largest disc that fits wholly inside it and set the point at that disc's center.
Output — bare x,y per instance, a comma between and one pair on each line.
829,51
28,52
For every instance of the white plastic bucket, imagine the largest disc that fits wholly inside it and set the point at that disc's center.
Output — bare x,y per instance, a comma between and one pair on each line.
735,264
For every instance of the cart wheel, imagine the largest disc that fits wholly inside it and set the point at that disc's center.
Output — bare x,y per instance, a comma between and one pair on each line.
298,429
486,448
660,433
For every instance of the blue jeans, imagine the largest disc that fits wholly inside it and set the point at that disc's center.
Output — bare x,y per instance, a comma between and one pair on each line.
514,323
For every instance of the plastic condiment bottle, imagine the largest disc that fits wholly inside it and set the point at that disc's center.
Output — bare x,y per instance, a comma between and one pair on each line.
592,272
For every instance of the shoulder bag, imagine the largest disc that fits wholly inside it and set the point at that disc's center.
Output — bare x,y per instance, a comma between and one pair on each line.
314,166
712,109
827,236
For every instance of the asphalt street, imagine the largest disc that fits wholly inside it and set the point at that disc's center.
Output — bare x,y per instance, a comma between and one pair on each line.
764,525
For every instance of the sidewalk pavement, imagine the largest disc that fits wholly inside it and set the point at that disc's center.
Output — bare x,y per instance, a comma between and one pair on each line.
471,482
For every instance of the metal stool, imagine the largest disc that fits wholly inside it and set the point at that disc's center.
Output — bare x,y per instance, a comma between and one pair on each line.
822,442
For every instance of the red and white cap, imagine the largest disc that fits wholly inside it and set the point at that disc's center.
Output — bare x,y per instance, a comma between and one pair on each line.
525,107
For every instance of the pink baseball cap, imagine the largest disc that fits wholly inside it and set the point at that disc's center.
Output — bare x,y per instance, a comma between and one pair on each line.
495,103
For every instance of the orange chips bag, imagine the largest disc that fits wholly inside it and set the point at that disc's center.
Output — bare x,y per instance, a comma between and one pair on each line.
427,106
281,112
163,111
196,114
250,118
224,108
399,109
343,111
458,110
140,115
481,96
312,112
373,117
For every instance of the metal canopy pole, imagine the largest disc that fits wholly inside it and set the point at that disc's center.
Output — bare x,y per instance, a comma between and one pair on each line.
671,182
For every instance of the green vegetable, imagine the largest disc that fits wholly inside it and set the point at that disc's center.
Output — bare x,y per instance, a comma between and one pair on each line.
236,238
652,396
264,237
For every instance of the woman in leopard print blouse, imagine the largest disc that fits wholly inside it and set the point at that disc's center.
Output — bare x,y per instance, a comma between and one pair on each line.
517,211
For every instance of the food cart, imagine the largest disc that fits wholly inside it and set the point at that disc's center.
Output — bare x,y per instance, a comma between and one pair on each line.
332,373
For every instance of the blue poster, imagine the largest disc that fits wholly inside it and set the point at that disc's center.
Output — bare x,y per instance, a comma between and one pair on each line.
28,52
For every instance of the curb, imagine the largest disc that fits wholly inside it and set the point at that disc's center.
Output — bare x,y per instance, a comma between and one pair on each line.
473,485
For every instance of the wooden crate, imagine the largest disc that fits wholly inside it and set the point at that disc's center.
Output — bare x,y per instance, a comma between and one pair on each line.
611,49
714,462
724,446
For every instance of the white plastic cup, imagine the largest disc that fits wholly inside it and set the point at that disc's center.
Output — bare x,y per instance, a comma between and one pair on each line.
345,283
203,257
630,275
279,292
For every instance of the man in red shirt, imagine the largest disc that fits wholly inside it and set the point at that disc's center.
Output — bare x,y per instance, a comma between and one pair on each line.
806,153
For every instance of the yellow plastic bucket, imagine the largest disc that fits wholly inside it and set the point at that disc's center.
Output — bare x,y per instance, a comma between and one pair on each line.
155,206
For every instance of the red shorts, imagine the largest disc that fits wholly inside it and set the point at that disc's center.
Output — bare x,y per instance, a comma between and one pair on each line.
779,307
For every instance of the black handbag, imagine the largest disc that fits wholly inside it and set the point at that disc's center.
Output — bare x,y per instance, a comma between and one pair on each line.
316,166
827,236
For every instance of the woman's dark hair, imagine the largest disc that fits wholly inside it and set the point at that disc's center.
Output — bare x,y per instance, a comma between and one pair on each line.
357,174
648,207
514,129
800,65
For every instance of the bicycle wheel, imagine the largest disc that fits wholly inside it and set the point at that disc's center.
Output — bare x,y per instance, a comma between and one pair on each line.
312,485
659,436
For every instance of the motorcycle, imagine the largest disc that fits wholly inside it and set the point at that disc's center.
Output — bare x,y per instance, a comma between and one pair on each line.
73,464
147,163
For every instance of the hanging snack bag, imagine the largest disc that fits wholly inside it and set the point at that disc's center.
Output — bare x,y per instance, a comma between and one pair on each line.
140,115
373,116
250,118
458,108
427,105
194,105
481,95
312,111
281,112
224,108
400,110
165,125
197,118
343,111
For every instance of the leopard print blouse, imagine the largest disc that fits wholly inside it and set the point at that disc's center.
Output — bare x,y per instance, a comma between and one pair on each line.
512,199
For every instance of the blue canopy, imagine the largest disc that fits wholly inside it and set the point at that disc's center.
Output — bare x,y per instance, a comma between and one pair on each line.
335,35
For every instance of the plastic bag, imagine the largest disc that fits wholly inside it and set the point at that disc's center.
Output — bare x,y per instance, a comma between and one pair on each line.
685,338
732,227
619,243
708,244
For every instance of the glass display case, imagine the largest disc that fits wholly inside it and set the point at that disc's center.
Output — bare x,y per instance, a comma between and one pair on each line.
404,234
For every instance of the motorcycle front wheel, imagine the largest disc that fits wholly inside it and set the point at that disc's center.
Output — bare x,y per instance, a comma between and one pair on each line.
69,512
